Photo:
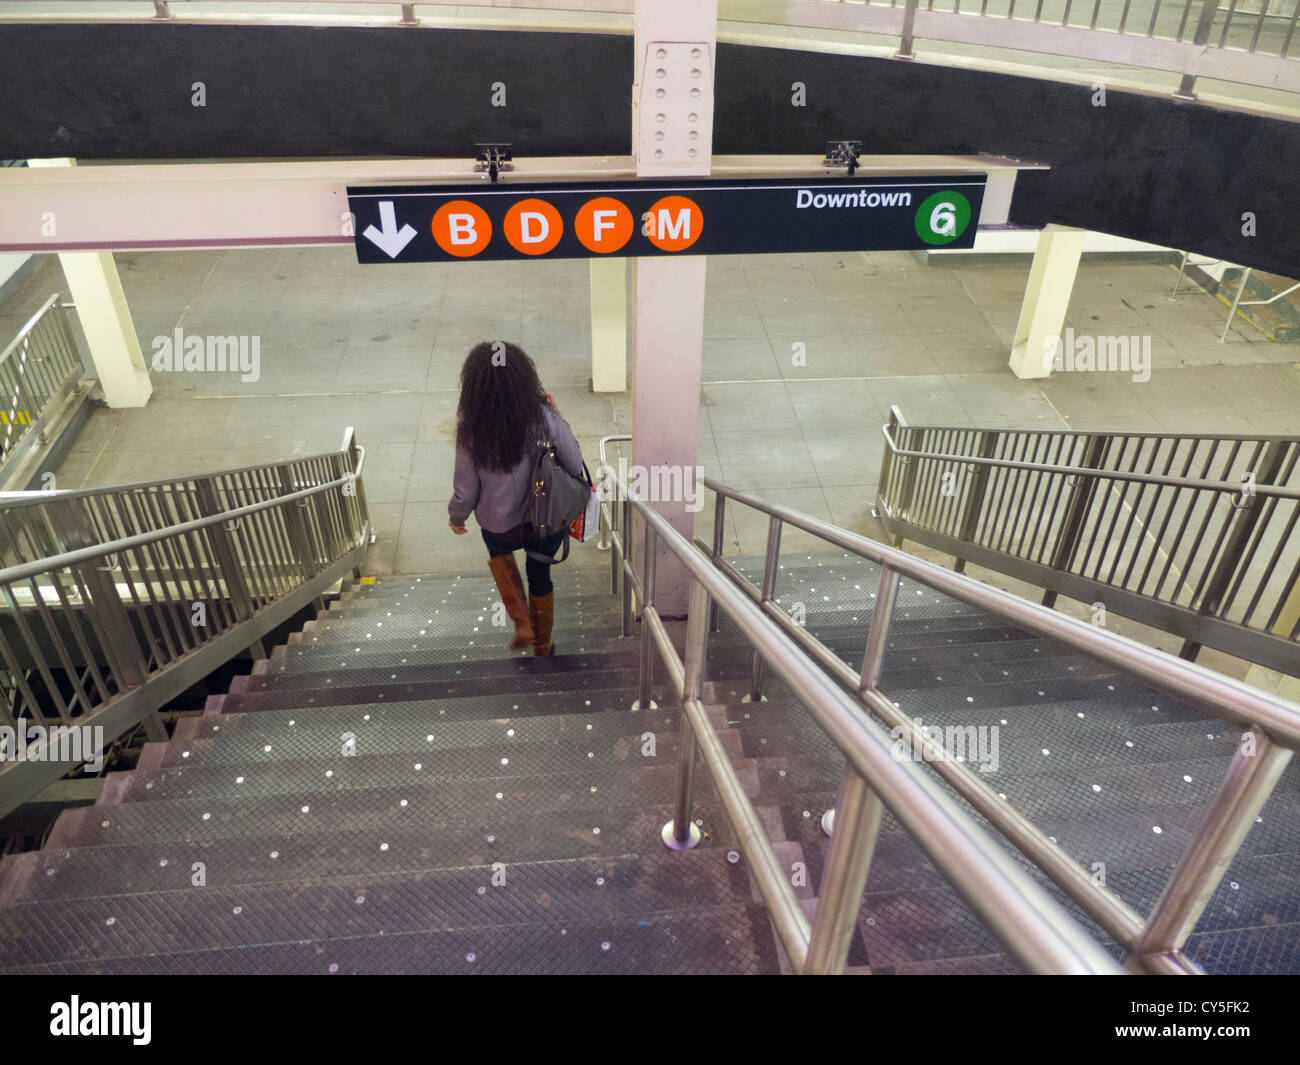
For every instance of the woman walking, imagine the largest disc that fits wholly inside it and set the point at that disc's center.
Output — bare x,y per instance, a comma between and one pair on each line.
502,418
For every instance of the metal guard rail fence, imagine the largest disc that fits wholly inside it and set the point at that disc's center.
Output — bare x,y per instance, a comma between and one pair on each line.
1232,42
39,368
150,587
1045,939
1197,535
1035,930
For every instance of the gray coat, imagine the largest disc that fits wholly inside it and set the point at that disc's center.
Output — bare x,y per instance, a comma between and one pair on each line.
497,497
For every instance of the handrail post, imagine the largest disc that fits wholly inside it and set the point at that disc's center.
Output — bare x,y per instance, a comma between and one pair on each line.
646,672
232,574
906,490
682,833
858,815
979,483
719,525
358,490
1234,545
1076,510
625,514
297,528
884,486
300,539
615,551
1200,38
1256,767
770,558
873,658
1236,302
113,625
905,37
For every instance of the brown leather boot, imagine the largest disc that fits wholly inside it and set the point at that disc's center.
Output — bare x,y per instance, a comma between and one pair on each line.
541,609
511,588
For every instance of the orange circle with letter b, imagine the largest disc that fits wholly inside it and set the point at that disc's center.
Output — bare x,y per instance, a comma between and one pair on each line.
673,223
461,228
533,227
603,225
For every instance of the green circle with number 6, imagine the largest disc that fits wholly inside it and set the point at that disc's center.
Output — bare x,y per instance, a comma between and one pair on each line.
943,217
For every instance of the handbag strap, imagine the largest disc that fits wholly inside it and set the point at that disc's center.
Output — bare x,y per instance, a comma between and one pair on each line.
537,556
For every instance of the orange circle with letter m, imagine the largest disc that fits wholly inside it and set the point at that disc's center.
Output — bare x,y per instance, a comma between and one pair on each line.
673,223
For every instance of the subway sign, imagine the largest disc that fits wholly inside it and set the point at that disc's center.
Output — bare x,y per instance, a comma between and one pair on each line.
579,220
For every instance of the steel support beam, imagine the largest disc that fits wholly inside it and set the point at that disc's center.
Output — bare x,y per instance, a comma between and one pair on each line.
303,203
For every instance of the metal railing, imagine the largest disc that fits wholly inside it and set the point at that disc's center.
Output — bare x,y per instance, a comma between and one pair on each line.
1271,731
1035,930
1195,535
39,369
1250,42
1237,301
114,601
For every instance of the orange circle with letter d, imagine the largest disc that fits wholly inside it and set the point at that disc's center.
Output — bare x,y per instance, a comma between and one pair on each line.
603,225
533,227
673,223
461,228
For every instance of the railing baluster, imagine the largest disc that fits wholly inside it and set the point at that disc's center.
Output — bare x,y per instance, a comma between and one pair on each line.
719,529
1227,22
1201,37
1155,13
646,673
771,559
34,654
1285,48
625,516
19,676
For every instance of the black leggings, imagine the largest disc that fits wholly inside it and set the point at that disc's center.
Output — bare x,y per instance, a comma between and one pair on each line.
539,573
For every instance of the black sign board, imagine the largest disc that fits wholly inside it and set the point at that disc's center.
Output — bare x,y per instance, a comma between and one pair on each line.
699,216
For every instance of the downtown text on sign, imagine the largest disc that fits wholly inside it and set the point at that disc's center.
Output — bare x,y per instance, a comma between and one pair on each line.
444,223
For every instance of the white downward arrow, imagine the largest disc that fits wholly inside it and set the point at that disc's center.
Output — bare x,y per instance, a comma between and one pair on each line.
390,239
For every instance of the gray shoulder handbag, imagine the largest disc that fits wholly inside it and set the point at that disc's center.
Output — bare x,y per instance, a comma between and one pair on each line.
555,498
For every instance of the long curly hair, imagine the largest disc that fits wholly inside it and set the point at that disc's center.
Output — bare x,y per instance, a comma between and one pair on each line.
500,407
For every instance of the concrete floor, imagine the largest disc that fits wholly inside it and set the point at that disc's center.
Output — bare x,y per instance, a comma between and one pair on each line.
380,349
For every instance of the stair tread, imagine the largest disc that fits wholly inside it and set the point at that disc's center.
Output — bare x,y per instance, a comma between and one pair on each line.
389,807
729,939
106,871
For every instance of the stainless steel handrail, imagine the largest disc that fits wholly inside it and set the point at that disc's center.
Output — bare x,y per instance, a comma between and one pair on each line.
1237,301
1266,490
1271,728
606,511
38,495
1031,925
68,559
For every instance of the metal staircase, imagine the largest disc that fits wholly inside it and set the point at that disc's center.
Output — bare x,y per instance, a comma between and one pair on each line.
393,791
115,600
